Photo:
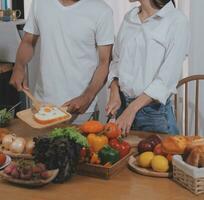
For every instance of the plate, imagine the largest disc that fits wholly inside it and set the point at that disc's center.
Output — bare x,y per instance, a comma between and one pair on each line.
133,165
7,162
27,117
15,155
31,183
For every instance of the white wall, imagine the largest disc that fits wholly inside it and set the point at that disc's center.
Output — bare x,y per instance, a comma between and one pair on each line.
27,4
197,51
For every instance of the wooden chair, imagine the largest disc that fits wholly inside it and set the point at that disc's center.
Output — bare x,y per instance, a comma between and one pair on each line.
185,83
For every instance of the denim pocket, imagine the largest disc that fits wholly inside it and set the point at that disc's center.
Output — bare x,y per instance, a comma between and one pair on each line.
152,118
152,110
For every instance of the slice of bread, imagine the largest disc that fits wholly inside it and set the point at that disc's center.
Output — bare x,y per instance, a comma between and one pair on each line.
48,115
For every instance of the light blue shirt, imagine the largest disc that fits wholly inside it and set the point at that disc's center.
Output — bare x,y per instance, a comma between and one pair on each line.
148,56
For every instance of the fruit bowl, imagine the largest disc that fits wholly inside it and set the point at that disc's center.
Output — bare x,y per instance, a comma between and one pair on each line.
30,183
134,166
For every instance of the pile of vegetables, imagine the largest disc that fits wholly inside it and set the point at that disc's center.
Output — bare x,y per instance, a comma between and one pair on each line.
65,148
17,145
5,117
106,145
60,150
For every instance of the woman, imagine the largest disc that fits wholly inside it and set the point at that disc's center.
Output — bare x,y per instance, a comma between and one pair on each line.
151,46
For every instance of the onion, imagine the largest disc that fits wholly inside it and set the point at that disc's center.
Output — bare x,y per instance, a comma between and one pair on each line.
18,145
7,141
30,146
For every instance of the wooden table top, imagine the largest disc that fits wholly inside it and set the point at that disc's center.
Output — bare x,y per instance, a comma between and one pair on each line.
124,186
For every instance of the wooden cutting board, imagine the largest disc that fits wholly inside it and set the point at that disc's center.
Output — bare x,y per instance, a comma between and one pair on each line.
133,165
27,117
133,140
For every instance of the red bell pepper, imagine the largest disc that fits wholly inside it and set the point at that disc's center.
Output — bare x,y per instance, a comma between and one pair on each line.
121,146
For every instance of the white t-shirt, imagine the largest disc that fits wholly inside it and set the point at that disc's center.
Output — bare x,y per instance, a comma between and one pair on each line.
148,56
69,39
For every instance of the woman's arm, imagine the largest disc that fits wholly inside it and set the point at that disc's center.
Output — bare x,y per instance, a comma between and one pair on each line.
167,78
164,83
114,102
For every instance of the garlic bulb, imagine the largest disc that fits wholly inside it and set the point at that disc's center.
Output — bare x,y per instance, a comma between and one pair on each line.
30,146
7,141
18,145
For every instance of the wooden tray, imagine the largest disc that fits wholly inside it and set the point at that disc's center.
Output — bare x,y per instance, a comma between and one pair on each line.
99,171
132,163
15,155
27,117
32,183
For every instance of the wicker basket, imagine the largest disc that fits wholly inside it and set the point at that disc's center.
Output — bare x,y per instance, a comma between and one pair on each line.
188,176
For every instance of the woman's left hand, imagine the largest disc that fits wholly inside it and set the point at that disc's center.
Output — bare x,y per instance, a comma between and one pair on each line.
126,119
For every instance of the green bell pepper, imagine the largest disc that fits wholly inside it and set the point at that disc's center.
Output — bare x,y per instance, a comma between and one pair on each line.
108,155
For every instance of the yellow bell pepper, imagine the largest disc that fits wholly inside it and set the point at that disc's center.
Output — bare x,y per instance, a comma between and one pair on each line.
97,142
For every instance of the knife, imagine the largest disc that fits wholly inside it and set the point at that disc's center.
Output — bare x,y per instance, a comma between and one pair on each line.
111,118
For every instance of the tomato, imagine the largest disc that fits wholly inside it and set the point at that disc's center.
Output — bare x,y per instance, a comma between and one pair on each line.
97,142
2,159
92,126
83,152
121,146
111,130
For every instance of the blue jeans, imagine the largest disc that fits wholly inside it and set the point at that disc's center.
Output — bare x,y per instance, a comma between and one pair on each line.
155,117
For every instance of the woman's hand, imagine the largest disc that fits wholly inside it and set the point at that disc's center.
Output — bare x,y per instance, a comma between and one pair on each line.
114,102
126,119
113,105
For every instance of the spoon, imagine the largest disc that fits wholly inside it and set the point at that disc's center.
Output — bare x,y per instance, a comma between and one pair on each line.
15,106
36,104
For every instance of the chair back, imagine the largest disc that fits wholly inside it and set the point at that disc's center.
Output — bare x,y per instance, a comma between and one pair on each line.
185,83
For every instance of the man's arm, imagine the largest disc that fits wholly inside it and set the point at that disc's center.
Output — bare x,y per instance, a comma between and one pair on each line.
24,55
80,104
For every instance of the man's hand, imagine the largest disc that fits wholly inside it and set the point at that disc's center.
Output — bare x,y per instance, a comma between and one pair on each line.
18,78
78,105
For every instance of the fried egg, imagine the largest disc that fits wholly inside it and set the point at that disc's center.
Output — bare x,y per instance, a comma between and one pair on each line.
48,114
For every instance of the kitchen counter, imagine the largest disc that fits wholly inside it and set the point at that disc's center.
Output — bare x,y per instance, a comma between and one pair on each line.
124,186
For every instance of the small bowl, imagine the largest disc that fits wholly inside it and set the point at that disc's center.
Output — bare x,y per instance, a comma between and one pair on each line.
5,123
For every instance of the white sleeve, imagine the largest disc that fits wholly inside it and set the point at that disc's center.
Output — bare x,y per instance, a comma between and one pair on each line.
113,70
105,29
31,25
169,74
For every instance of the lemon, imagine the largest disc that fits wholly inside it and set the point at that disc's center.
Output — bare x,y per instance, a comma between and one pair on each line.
160,164
145,159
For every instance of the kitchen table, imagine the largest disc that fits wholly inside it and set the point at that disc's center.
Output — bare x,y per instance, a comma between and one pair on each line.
124,186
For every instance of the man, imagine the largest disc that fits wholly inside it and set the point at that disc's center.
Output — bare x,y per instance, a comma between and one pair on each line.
76,43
